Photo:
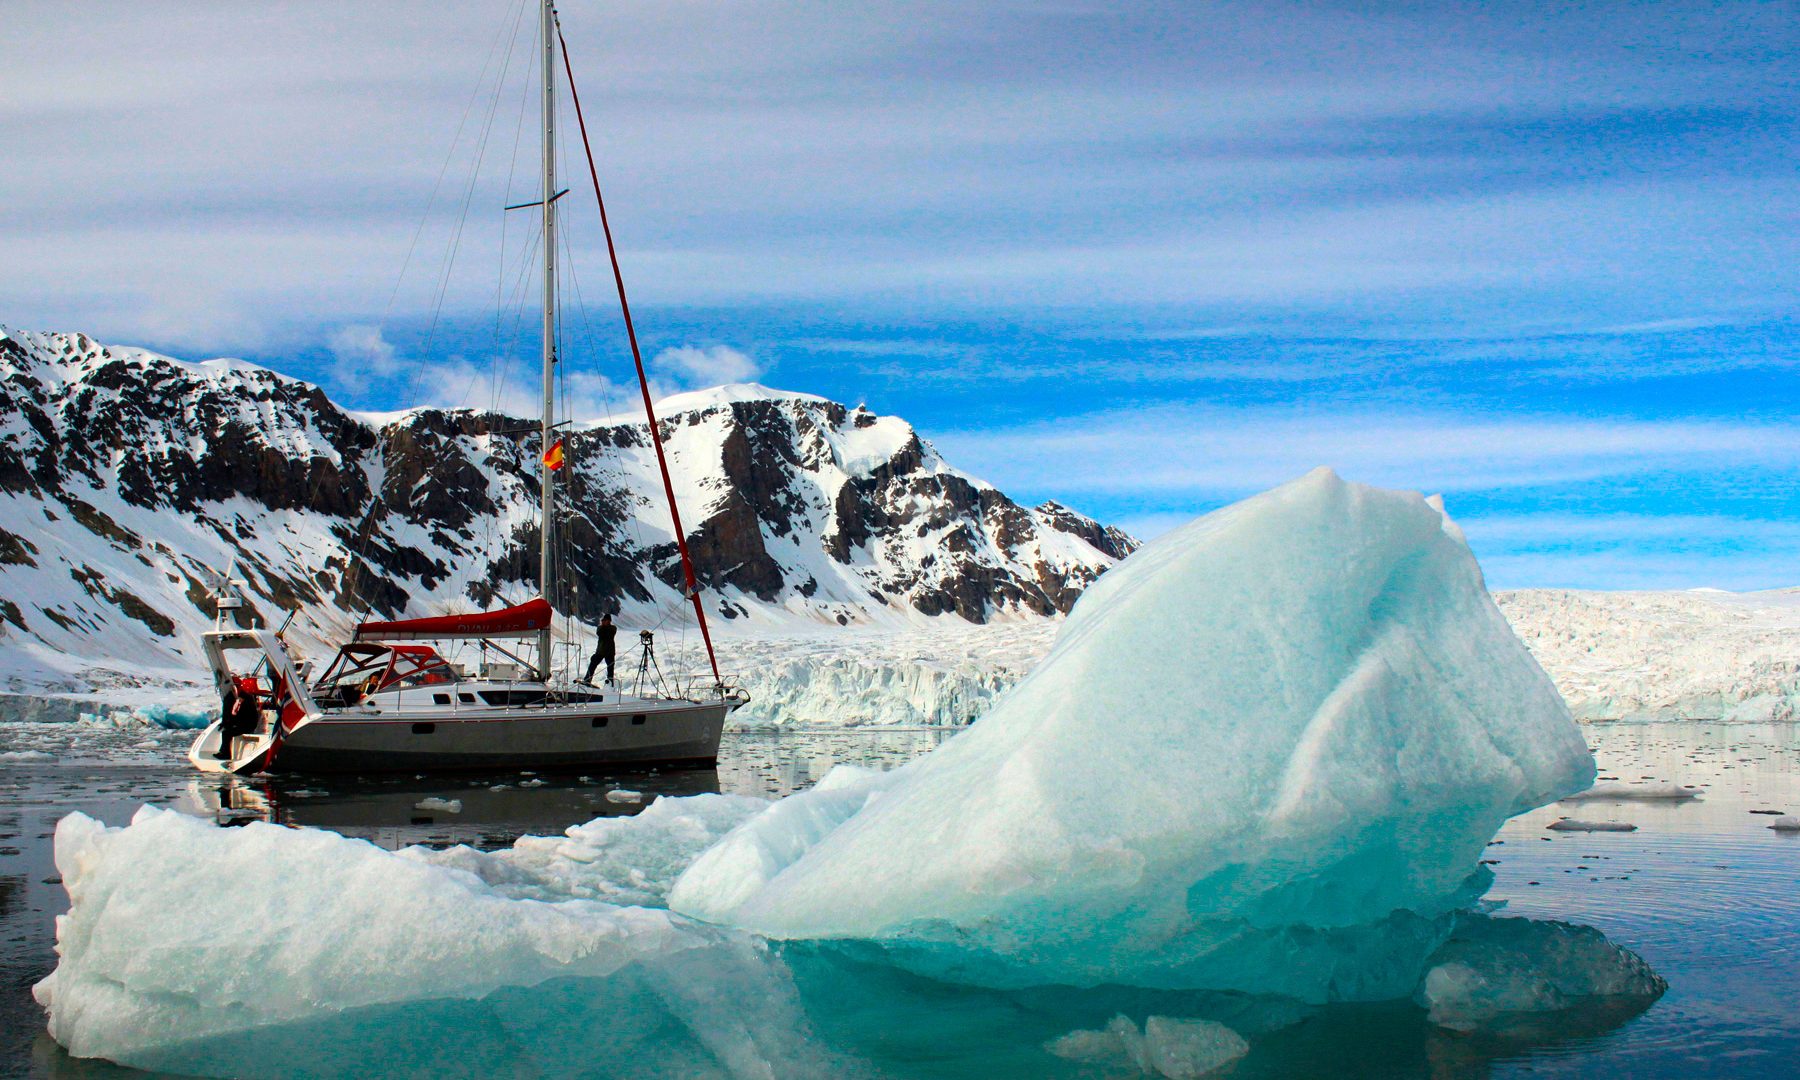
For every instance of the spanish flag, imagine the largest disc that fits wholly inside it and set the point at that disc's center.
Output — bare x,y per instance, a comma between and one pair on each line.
553,457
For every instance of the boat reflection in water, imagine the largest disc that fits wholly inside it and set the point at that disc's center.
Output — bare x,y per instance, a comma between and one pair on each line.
394,812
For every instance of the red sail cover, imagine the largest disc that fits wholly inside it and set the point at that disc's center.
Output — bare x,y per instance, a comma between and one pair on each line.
522,621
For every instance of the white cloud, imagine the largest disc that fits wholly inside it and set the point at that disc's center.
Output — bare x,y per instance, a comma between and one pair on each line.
693,366
514,387
361,355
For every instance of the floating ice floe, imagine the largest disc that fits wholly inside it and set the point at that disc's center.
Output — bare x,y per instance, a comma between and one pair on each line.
1264,755
1786,823
1167,1046
347,960
1494,968
1576,825
23,756
1635,792
448,806
621,795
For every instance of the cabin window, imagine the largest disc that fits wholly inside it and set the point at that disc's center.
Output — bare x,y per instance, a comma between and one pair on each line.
440,699
600,721
638,719
466,699
424,729
513,697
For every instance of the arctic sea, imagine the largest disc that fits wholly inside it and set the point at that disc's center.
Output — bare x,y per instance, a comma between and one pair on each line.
1702,889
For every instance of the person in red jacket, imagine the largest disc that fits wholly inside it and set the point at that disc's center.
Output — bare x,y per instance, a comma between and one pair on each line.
240,716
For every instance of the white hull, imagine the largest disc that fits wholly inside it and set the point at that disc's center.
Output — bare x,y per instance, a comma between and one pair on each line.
638,733
468,724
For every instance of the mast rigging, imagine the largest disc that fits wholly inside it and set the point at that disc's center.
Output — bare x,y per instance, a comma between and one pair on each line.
687,563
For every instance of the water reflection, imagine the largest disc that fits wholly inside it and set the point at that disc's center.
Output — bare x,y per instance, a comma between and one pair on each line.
1704,891
486,811
495,809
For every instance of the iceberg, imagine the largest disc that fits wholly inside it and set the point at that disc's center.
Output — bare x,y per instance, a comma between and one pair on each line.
1264,755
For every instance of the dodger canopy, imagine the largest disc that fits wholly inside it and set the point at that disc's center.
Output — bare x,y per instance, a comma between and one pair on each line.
523,620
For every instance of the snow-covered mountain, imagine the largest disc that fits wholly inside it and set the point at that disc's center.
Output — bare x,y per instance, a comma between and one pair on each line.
128,479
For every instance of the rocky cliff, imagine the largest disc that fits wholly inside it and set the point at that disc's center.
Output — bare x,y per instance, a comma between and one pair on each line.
128,480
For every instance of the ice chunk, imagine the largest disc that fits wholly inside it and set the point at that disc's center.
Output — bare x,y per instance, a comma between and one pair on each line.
1493,968
1288,721
621,795
1628,792
1182,1049
1177,1049
348,960
623,860
448,806
22,756
1575,825
1786,823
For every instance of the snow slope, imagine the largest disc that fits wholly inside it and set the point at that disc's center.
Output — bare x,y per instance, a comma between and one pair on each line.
128,479
858,578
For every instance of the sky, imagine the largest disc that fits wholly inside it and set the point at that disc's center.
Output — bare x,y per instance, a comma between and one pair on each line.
1145,259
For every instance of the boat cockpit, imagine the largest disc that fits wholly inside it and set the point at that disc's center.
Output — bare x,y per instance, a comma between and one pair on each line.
363,668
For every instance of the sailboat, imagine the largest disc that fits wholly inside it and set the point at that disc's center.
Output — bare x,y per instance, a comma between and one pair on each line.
389,700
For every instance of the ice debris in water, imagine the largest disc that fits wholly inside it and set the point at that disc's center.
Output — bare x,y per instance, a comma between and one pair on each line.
1628,792
1495,967
448,806
22,756
1786,823
1177,1049
1306,718
1576,825
621,795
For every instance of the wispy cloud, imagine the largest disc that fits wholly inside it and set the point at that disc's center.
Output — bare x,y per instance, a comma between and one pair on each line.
361,354
220,177
695,366
1217,453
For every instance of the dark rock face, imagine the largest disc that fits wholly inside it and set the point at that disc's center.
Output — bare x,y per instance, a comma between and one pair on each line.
161,472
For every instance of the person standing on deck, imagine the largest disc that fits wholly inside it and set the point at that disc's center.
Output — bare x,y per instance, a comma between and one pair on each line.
603,650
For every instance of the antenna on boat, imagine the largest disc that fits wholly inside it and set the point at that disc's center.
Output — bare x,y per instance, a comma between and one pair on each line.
228,597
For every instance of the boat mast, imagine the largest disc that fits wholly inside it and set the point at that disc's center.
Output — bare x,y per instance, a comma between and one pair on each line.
547,33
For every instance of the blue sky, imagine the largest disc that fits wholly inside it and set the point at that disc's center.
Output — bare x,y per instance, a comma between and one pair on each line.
1145,259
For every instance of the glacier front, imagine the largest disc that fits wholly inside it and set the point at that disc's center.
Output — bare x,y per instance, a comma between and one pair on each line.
1264,755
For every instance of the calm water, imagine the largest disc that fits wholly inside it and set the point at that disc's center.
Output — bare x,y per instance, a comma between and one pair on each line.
1703,890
